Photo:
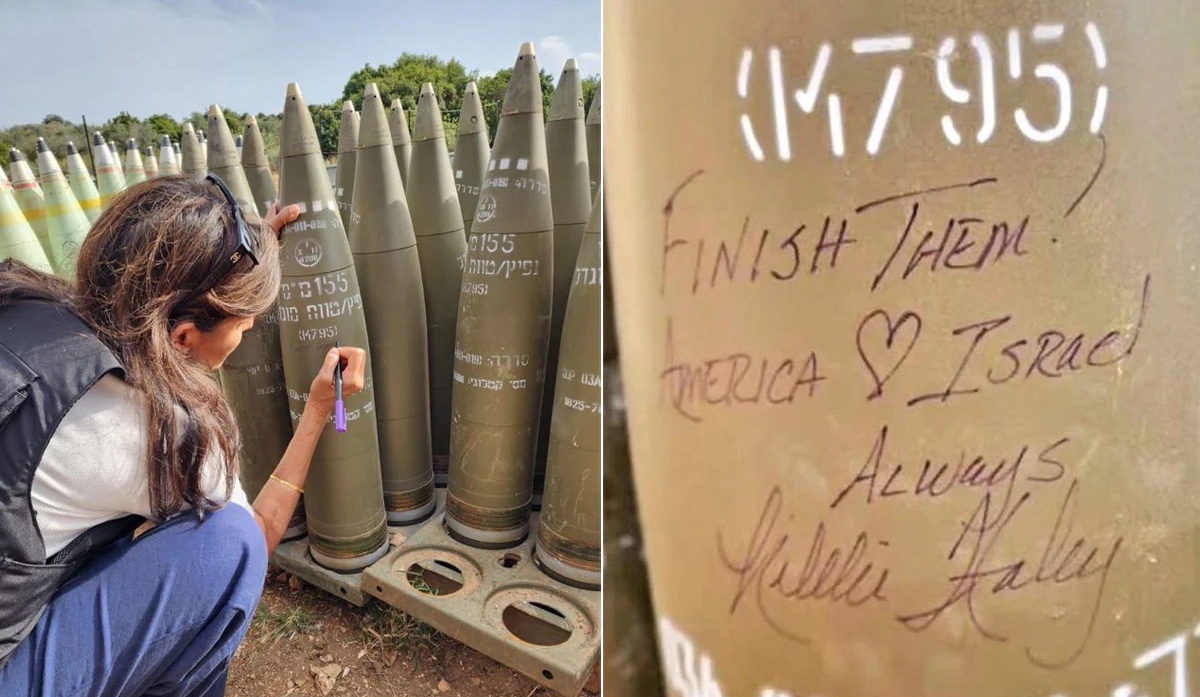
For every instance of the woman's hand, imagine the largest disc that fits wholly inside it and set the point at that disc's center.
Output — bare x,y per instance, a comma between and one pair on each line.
321,394
277,217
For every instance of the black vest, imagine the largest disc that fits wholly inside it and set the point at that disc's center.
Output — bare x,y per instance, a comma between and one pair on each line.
48,360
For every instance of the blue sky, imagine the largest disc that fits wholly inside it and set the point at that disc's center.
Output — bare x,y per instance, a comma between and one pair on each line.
99,57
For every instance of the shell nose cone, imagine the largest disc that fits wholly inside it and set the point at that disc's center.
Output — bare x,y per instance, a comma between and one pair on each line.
429,117
524,93
298,135
373,129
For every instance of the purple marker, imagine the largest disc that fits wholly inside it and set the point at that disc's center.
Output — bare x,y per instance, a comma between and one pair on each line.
339,407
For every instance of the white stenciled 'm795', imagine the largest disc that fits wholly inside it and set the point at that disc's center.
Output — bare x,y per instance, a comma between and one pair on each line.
1047,74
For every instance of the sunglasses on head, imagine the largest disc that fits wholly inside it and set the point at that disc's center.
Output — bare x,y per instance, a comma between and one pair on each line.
226,264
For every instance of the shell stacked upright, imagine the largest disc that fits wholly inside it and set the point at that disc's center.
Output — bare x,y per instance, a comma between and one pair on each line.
203,148
81,184
471,154
571,199
116,154
503,327
594,141
252,376
568,544
401,139
135,171
108,179
347,155
194,164
168,165
320,304
389,273
17,239
150,163
66,224
256,167
441,247
29,196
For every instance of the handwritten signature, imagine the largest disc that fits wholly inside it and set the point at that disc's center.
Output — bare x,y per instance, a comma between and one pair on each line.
830,573
1065,558
769,567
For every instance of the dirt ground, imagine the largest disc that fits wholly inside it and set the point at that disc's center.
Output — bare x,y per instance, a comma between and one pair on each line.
305,642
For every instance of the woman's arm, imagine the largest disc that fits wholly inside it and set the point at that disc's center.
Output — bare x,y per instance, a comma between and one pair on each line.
275,503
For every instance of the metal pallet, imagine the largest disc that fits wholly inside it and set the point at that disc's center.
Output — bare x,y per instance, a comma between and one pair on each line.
293,557
495,601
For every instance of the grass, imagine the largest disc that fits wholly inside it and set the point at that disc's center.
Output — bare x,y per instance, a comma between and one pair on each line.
385,628
417,581
273,626
382,629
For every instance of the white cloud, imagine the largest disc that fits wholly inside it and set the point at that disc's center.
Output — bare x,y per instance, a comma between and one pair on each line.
553,51
589,63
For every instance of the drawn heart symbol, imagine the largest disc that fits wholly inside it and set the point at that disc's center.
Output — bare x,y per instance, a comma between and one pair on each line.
909,324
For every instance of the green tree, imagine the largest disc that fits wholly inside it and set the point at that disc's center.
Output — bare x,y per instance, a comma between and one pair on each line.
236,123
590,83
403,79
268,127
124,126
164,125
53,118
124,119
56,134
199,122
327,119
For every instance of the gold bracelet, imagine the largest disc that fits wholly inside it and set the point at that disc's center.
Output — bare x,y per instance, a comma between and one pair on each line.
288,484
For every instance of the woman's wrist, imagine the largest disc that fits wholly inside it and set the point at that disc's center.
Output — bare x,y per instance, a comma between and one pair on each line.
316,412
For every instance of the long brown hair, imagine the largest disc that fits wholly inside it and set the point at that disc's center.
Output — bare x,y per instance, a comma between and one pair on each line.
152,247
